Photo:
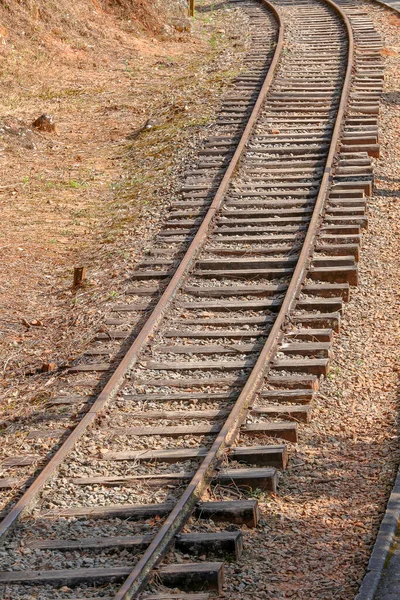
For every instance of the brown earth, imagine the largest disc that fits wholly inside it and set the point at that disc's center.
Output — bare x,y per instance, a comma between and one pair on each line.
91,192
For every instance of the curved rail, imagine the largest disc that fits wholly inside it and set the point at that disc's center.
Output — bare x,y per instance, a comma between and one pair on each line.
117,379
174,522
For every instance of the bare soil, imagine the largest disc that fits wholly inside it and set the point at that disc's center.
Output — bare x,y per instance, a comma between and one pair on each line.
92,192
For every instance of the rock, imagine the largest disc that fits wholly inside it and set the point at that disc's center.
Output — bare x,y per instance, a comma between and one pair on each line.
149,124
44,123
181,24
47,367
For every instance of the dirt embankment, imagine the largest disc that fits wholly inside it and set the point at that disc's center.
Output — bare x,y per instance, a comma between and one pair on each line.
92,191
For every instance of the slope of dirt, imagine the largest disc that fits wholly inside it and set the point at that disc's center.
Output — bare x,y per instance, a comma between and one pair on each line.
92,192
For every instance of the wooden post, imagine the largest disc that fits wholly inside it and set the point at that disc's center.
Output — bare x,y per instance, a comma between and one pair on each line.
79,276
191,8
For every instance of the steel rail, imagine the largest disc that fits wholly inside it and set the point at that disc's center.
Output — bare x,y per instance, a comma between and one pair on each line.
139,576
117,379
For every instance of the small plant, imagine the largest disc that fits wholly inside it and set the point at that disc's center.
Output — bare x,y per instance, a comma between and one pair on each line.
257,494
76,184
333,372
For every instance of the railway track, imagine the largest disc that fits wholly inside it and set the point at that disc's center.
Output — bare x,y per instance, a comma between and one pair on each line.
218,349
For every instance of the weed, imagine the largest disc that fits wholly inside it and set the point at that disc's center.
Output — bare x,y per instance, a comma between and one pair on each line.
333,372
72,183
82,212
257,494
109,238
40,398
199,121
51,94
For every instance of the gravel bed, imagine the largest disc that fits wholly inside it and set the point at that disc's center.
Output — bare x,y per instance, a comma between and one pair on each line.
54,559
97,468
130,421
64,494
248,251
139,388
197,373
123,418
179,405
154,442
45,592
212,283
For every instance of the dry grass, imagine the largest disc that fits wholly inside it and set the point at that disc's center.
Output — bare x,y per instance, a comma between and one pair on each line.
88,194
